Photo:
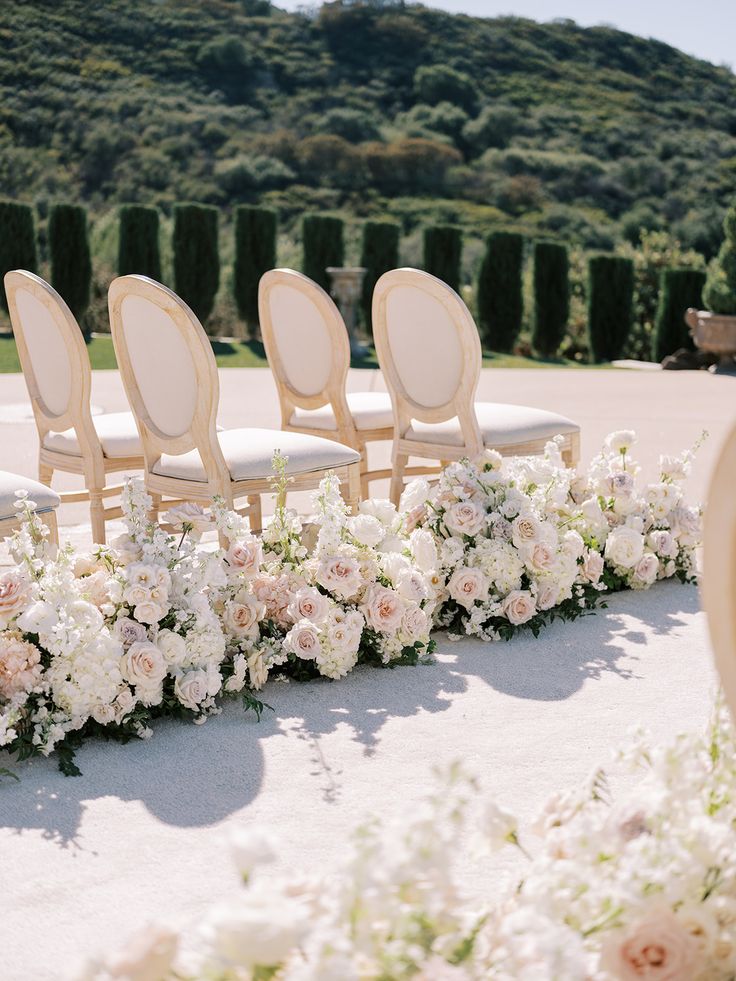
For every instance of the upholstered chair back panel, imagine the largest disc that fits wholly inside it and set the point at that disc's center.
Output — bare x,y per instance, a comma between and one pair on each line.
47,350
302,338
162,364
425,345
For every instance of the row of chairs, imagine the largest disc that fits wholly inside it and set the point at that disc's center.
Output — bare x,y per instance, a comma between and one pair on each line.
427,346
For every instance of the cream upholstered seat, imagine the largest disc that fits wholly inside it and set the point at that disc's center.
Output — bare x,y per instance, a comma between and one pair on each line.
308,349
170,375
45,499
57,372
429,351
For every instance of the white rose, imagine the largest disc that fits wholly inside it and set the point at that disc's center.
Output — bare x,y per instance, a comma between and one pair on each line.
149,612
624,547
124,704
143,665
345,630
303,640
621,441
383,609
415,624
104,714
133,595
383,510
540,557
423,549
465,518
191,689
592,567
518,607
142,574
646,568
172,646
366,529
548,595
467,585
412,585
415,494
663,544
309,604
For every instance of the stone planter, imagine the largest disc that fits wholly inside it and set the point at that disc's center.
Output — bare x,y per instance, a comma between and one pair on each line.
346,287
714,333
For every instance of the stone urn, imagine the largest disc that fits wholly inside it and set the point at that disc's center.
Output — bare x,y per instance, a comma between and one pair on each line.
714,333
346,287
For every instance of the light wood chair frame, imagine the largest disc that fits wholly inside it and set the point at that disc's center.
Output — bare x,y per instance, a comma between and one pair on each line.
462,402
718,585
202,432
334,390
91,463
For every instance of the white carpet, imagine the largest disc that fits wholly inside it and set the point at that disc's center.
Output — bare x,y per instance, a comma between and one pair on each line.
140,835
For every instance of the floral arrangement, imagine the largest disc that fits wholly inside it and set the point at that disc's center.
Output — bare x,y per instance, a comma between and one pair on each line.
643,887
523,541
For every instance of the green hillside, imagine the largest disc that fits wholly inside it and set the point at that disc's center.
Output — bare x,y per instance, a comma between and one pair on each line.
367,109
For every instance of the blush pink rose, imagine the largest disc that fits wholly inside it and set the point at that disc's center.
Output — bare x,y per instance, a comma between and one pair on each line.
383,609
467,585
465,518
20,668
15,595
245,557
592,566
519,607
656,948
339,574
303,640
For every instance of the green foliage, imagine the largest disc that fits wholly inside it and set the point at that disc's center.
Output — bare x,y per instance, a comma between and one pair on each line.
379,254
610,305
680,289
17,241
720,289
71,265
196,257
255,254
138,244
551,297
499,294
440,83
323,246
443,247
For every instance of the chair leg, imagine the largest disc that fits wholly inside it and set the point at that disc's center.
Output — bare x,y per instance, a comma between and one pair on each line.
155,506
350,489
397,478
97,515
571,454
364,485
255,518
51,522
45,473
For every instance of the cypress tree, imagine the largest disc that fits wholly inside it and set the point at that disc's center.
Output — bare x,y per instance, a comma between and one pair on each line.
17,241
610,305
443,247
379,254
138,244
323,246
678,290
551,297
500,295
255,254
196,257
71,265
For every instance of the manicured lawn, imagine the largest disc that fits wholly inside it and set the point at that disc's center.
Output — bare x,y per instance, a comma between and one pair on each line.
250,354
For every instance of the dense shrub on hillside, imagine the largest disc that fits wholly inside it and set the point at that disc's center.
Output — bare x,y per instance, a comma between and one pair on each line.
379,254
138,242
196,257
680,289
440,83
720,289
499,292
322,246
17,241
71,265
610,305
551,297
255,254
443,247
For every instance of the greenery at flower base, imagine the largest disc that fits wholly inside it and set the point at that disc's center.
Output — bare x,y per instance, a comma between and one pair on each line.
159,623
614,888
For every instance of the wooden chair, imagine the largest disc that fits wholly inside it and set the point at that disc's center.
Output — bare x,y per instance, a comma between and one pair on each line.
429,351
45,499
308,350
58,375
170,375
719,566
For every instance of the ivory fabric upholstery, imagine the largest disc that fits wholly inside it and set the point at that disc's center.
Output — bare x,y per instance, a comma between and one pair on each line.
44,498
48,352
500,424
370,410
248,454
302,339
117,431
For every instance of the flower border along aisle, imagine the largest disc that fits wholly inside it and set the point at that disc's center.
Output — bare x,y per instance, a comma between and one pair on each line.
158,625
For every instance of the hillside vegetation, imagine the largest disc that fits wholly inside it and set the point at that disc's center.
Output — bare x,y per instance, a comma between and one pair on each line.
369,109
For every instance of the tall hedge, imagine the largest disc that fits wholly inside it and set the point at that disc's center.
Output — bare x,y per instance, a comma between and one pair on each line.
71,265
323,245
610,305
443,247
255,254
138,242
17,241
500,297
196,257
551,297
678,290
379,254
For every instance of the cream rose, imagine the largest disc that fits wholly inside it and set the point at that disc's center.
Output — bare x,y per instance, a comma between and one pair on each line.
345,630
303,640
548,595
143,665
592,566
465,518
525,530
656,947
191,688
415,623
149,611
624,547
467,585
540,557
243,614
519,607
172,646
383,609
646,568
15,595
245,557
339,574
308,604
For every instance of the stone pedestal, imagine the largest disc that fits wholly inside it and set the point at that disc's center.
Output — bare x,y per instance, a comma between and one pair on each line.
714,333
346,287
